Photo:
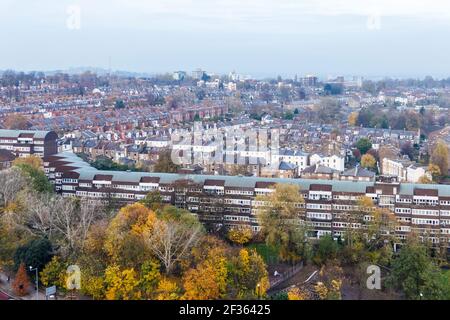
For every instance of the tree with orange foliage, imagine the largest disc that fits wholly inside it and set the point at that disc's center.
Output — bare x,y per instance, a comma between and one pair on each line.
297,294
208,281
16,122
21,283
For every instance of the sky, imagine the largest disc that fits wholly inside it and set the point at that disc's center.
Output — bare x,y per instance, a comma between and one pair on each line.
371,38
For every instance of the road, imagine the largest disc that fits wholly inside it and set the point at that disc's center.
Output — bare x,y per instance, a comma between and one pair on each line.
6,288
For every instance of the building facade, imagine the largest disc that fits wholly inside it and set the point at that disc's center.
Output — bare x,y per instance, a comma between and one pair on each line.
24,143
232,201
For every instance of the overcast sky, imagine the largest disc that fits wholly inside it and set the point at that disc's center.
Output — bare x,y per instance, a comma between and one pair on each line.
399,38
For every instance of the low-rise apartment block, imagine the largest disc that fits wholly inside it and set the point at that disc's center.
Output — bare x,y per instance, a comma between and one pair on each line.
231,201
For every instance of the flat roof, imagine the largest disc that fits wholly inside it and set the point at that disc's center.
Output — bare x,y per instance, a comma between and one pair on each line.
87,173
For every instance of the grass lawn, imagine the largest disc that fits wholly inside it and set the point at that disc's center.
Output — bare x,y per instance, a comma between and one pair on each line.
269,253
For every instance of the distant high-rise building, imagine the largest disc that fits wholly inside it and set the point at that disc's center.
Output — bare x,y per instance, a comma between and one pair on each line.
309,81
198,74
179,75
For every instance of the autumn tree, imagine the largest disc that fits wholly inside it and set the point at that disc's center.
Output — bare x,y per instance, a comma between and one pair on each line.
21,283
369,233
249,275
425,180
54,273
368,161
439,157
240,235
353,119
330,284
435,171
121,284
167,290
280,218
172,236
165,163
124,241
208,281
150,277
33,161
297,294
16,122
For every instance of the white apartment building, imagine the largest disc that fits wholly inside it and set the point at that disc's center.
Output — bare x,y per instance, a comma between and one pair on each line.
335,162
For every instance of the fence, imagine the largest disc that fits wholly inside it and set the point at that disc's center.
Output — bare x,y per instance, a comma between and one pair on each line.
286,275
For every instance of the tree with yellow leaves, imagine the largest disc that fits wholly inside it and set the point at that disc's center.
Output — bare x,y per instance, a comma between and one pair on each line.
330,284
435,172
33,161
279,215
54,273
208,281
167,290
297,294
425,180
353,119
121,284
249,275
150,277
124,241
368,161
240,235
439,157
330,292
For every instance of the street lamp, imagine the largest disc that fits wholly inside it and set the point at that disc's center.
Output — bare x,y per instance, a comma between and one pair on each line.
258,286
421,295
37,281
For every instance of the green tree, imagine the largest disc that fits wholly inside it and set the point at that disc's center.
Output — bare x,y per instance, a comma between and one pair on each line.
150,277
119,104
152,200
415,273
363,145
327,249
39,181
36,253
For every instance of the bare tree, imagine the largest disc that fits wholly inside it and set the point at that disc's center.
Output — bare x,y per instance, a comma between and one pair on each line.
172,241
62,220
11,183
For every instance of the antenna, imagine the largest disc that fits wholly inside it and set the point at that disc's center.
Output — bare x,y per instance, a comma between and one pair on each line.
109,66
